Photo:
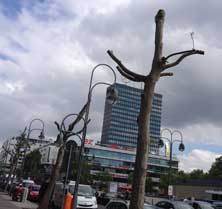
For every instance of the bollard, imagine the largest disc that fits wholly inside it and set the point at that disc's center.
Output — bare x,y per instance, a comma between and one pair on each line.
25,194
67,201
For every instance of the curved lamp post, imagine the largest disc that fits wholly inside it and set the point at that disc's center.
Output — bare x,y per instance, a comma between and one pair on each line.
41,135
112,96
171,142
68,164
42,130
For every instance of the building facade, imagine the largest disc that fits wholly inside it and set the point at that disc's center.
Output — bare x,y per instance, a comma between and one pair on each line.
119,162
120,120
9,146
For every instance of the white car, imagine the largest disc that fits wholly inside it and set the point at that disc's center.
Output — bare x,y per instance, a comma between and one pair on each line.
86,197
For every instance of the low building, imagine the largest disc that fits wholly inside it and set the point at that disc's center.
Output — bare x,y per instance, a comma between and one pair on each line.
48,158
119,163
9,146
208,189
116,160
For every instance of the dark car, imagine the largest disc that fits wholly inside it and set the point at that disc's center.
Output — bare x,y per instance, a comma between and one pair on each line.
173,204
123,204
217,204
201,205
104,198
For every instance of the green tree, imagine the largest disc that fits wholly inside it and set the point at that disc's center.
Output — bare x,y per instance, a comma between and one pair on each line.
216,170
149,185
15,153
197,174
32,164
164,182
130,178
103,176
86,177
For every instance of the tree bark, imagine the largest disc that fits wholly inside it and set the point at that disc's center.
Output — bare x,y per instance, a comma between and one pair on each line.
54,176
140,170
159,65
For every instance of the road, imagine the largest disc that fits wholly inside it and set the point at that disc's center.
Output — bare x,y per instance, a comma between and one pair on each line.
7,203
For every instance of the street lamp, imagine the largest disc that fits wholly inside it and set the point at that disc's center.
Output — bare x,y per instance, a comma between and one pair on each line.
41,136
171,142
111,97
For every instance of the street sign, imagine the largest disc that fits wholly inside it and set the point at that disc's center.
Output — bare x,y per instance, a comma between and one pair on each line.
170,190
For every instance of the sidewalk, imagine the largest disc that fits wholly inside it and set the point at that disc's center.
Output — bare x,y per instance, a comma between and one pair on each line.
7,203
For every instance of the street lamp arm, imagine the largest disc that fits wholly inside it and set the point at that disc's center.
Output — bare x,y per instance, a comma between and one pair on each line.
177,131
177,140
162,137
35,119
96,84
78,116
93,70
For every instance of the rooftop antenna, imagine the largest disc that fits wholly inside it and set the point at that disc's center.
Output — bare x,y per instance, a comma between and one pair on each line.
192,37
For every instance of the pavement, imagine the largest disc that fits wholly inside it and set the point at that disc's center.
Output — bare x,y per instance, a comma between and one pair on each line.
7,203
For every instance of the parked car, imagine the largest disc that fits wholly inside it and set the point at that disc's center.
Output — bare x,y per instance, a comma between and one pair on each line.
123,204
33,194
104,198
12,187
201,205
26,183
217,204
86,197
17,193
173,204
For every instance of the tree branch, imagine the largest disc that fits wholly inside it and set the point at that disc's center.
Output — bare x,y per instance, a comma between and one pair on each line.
126,71
166,74
126,75
177,53
186,54
7,151
78,118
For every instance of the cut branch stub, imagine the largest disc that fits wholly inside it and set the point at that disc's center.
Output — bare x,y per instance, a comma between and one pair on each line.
124,71
166,74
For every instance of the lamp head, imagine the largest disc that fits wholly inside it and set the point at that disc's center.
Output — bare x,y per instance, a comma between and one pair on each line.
41,135
181,147
111,95
160,143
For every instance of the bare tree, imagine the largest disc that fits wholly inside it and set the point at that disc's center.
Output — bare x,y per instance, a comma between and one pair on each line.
15,154
60,142
158,69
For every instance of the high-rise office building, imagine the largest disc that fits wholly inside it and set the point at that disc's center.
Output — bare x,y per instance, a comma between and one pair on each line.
120,120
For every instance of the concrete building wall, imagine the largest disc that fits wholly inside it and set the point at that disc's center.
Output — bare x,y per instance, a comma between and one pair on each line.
198,192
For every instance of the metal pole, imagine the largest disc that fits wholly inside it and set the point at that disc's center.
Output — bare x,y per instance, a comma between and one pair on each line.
170,162
67,174
28,135
75,194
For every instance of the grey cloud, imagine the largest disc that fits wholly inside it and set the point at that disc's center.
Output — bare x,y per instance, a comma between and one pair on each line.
51,91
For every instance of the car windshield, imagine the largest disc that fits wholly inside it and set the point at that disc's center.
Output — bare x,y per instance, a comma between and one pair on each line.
84,190
35,188
182,205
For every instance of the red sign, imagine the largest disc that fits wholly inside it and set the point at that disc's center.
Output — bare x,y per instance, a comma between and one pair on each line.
89,141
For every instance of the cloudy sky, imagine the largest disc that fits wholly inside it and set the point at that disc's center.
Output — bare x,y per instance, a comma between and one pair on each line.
49,47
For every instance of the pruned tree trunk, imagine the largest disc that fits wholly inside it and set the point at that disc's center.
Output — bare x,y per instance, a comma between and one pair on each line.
54,176
61,142
159,65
